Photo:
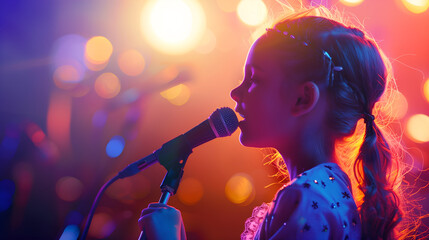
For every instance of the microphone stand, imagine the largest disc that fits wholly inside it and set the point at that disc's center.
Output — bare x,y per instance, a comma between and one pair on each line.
174,161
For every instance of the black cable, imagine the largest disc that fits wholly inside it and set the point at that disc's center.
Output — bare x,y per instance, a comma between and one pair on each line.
94,206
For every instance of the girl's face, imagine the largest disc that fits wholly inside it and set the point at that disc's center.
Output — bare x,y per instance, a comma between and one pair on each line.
264,99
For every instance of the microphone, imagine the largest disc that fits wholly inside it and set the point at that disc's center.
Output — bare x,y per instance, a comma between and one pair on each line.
221,123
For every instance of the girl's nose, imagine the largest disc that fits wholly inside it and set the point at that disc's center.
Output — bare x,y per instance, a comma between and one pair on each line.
235,93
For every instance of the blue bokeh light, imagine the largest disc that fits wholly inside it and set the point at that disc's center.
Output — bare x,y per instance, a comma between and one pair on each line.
7,190
71,232
115,146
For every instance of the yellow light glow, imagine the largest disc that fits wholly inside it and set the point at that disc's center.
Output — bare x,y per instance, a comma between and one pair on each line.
252,12
426,89
173,26
107,85
177,95
207,44
191,191
98,50
69,188
416,6
418,128
351,3
239,188
131,62
227,5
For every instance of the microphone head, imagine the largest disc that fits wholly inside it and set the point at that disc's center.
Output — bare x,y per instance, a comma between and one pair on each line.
224,122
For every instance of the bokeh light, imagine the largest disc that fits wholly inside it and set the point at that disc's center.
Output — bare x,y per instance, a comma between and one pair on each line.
98,50
173,26
426,89
177,95
239,188
131,62
102,226
252,12
59,119
207,44
351,3
190,191
7,191
115,146
416,6
418,128
69,188
68,50
99,118
35,133
107,85
71,232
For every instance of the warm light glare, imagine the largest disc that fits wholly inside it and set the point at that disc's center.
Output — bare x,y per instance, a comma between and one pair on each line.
107,85
238,188
418,128
177,95
227,5
131,62
191,191
426,89
59,119
173,26
252,12
98,50
416,6
207,44
351,3
399,105
69,188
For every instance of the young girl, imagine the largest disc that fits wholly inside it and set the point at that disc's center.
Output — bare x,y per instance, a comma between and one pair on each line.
308,81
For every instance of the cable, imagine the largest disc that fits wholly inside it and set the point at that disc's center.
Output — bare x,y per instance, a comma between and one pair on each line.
94,206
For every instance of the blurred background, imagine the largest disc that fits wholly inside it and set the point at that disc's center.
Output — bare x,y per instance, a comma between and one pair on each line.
90,86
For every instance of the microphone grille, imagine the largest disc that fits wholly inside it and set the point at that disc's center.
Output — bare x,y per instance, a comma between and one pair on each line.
225,121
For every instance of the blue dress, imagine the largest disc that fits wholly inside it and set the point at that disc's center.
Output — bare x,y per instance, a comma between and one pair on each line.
318,204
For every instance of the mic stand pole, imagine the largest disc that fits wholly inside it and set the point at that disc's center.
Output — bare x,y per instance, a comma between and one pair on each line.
180,153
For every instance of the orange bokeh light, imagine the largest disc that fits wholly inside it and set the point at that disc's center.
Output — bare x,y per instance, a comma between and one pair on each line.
418,128
98,50
191,191
107,85
69,188
131,62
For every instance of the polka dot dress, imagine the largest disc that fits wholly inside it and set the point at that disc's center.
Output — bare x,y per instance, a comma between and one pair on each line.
318,204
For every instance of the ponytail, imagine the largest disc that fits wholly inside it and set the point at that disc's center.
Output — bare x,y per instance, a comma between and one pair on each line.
380,208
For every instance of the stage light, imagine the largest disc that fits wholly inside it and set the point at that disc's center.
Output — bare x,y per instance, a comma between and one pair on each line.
69,188
115,146
177,95
68,50
239,188
416,6
107,85
173,26
98,50
71,232
59,119
131,62
426,89
67,76
351,3
418,128
252,12
191,191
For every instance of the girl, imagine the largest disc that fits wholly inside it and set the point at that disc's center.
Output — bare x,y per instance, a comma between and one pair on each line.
308,82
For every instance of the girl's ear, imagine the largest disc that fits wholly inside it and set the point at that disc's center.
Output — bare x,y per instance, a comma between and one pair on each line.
306,98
